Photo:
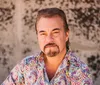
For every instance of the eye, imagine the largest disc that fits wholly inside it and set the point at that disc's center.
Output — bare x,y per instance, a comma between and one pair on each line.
42,34
55,32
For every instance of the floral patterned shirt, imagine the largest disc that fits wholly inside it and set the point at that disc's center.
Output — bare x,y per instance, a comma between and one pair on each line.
32,71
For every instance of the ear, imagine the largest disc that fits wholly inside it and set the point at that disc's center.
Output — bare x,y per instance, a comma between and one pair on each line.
67,35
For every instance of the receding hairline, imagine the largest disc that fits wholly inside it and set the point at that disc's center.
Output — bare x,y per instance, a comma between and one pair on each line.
52,12
55,16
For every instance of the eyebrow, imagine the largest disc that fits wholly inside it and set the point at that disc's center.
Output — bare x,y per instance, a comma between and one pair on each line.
56,29
41,31
52,30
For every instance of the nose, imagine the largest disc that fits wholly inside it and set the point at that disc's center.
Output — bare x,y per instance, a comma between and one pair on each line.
49,39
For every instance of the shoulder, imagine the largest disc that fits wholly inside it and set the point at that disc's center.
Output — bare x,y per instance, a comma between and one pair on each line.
27,62
76,62
33,59
18,73
79,71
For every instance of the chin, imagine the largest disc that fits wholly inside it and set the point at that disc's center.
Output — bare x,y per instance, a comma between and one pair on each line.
52,53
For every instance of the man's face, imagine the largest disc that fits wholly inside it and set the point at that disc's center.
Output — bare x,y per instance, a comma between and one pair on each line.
51,36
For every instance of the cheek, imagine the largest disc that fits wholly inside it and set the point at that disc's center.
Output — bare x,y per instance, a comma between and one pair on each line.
41,43
62,42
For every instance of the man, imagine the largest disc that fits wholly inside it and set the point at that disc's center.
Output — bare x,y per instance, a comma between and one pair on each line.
55,64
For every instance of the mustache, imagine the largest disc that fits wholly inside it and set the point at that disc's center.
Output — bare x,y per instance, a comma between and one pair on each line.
50,44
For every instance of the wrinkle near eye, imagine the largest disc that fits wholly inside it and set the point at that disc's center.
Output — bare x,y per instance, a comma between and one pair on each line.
56,29
43,33
56,32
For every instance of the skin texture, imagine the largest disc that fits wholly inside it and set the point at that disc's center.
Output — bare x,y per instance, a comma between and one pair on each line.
52,41
51,35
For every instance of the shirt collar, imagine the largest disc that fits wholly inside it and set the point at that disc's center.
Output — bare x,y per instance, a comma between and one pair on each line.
65,63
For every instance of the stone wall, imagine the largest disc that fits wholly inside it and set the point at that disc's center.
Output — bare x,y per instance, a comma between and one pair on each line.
18,38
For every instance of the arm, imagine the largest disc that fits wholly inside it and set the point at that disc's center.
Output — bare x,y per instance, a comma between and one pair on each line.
15,77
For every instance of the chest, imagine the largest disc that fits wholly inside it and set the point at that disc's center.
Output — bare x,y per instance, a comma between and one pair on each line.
51,72
40,77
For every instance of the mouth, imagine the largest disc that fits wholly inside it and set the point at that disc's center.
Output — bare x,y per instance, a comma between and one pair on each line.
50,46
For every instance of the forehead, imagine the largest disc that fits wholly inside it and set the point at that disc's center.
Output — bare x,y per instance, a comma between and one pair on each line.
45,23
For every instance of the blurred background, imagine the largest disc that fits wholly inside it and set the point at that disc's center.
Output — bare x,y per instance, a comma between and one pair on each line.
18,38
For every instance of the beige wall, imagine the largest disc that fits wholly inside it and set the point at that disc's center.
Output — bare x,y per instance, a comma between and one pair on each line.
18,38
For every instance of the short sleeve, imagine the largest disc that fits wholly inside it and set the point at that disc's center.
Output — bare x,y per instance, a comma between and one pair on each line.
16,76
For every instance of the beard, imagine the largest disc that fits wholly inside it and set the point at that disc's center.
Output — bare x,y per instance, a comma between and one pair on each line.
51,49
